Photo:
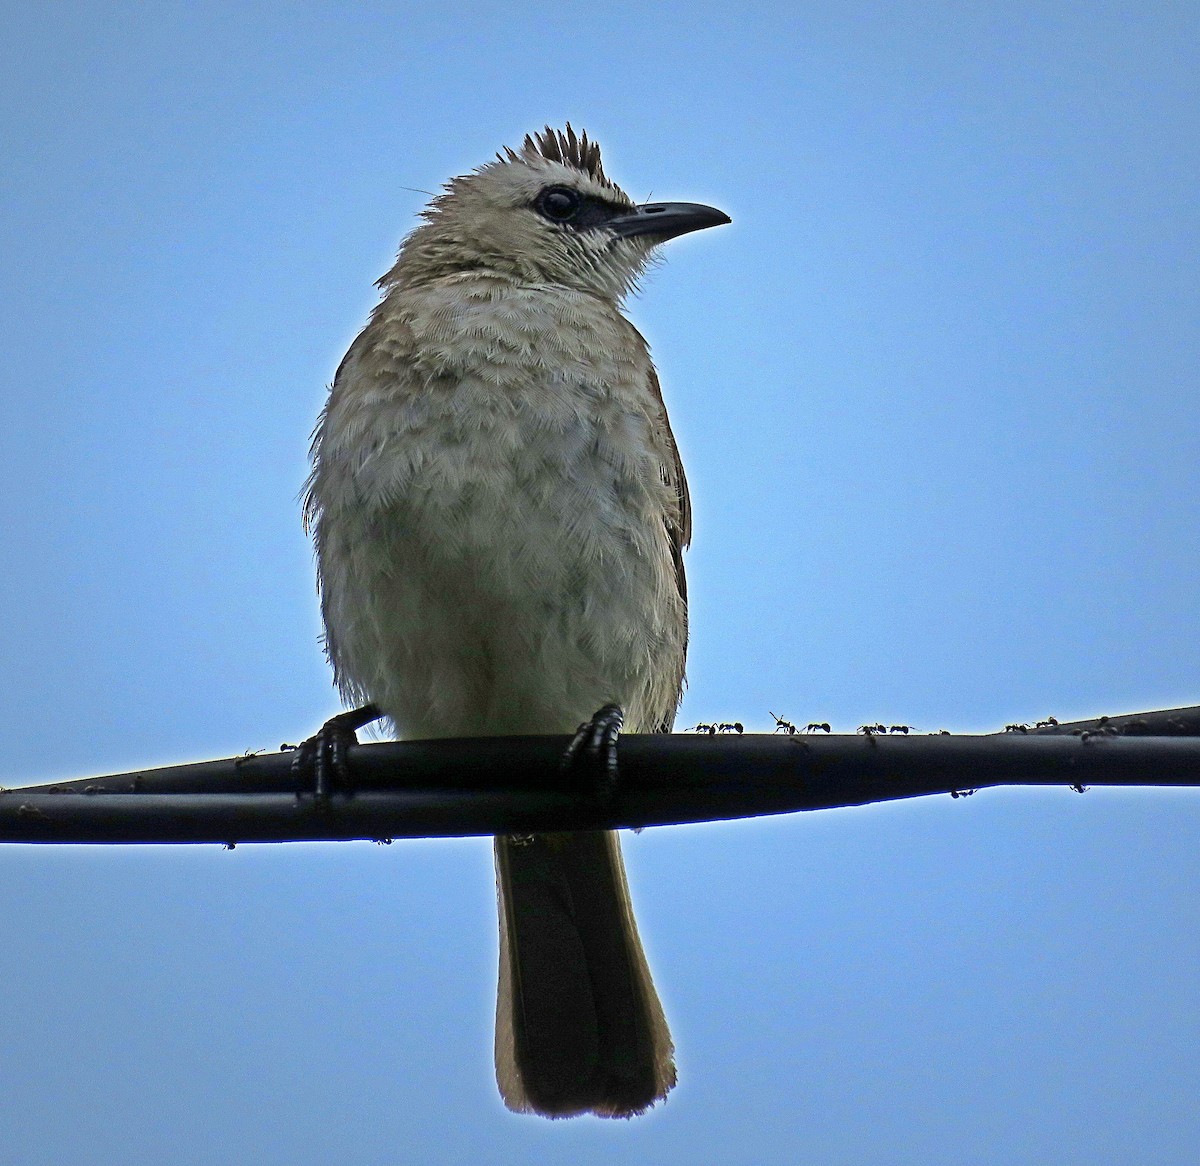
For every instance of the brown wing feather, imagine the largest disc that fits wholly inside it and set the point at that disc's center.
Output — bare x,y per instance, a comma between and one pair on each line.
679,524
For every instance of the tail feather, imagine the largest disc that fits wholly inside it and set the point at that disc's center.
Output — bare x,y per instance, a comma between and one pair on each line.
579,1027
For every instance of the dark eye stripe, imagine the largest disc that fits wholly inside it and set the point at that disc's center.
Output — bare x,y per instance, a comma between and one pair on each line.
588,213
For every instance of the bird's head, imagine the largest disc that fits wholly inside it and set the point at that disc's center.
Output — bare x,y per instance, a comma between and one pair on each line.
546,214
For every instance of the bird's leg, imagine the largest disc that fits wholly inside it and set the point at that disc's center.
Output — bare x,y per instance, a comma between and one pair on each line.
592,753
322,758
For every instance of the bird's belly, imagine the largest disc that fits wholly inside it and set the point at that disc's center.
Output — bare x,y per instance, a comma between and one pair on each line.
518,582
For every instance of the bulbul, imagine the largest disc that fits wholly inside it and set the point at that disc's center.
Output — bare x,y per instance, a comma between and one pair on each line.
499,513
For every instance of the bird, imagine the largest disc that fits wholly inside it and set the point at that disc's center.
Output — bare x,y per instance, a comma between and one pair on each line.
499,513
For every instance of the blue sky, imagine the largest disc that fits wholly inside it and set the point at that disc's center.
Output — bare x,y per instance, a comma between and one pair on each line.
934,388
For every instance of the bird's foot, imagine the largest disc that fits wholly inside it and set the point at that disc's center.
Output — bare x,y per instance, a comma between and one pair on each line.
592,753
321,761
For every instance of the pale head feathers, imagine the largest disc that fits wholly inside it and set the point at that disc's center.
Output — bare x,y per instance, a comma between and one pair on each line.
488,223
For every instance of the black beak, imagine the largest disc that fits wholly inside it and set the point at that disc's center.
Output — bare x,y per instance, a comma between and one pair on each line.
666,220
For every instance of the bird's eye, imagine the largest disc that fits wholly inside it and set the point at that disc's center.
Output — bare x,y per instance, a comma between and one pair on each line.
559,204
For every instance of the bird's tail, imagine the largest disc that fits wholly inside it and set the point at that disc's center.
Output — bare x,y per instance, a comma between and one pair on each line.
579,1027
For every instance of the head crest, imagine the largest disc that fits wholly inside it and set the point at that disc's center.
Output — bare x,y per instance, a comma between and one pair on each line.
563,146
